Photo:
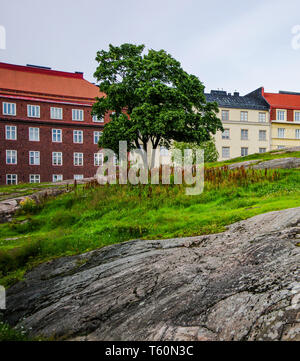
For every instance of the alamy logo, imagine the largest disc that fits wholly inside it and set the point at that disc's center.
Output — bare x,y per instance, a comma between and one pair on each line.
2,298
2,38
144,168
296,38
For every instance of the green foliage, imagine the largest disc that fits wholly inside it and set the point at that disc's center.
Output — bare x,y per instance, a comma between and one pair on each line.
210,151
7,333
162,102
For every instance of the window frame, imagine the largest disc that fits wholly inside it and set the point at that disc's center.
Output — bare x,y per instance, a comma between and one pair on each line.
247,132
284,115
264,117
262,131
243,148
52,135
6,132
100,135
34,157
242,114
225,112
80,111
54,175
16,176
31,106
34,175
14,107
81,131
75,157
52,112
61,157
224,137
278,136
6,156
102,159
34,140
228,148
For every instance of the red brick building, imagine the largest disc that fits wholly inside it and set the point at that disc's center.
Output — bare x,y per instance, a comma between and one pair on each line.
47,132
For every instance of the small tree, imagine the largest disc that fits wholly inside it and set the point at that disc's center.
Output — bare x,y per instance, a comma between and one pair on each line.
153,99
210,151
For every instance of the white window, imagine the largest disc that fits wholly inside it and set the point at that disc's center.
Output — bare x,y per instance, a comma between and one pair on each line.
34,134
281,132
77,114
98,159
97,136
297,116
57,177
11,179
226,152
11,157
78,176
56,113
262,150
244,134
281,147
34,178
262,117
56,158
10,132
33,111
244,151
9,109
244,116
262,135
225,114
77,136
280,115
57,135
78,158
34,158
97,120
226,134
297,133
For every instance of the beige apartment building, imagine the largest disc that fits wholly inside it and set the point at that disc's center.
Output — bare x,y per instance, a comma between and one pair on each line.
246,123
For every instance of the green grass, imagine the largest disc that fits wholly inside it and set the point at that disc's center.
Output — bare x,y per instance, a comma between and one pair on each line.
87,219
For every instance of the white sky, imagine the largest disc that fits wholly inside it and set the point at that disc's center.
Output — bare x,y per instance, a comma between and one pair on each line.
230,45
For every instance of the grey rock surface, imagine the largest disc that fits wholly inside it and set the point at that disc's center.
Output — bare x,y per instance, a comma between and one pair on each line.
243,284
279,163
8,207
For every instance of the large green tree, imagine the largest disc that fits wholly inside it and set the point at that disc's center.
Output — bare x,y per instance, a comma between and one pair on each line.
153,99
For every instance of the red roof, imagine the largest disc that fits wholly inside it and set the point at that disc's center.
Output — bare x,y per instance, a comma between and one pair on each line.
283,100
46,83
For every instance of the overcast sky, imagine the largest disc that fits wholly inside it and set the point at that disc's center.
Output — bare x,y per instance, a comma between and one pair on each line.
230,45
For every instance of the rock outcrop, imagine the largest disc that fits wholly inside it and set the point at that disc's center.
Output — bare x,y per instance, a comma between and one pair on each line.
278,163
9,207
243,284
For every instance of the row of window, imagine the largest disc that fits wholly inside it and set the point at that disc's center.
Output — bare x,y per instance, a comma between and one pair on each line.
281,133
244,151
282,115
262,134
57,158
34,134
34,111
36,178
262,118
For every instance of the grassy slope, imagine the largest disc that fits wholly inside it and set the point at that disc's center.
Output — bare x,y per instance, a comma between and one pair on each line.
259,157
87,219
